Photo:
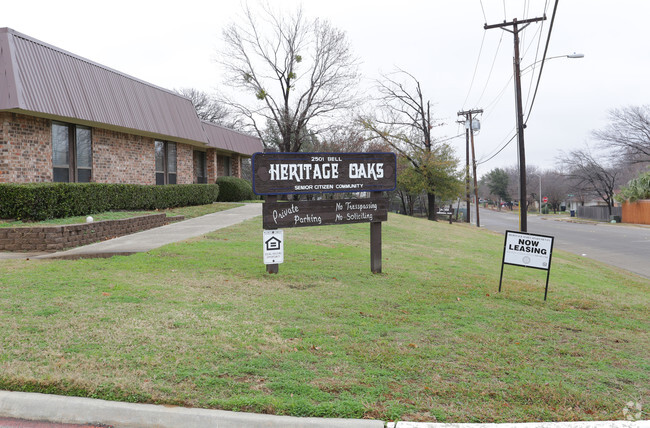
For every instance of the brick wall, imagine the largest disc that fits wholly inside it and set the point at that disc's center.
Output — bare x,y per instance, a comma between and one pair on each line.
184,164
211,165
122,158
235,165
25,149
56,238
26,154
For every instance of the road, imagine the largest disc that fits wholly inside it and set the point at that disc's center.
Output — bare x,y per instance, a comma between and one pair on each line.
621,245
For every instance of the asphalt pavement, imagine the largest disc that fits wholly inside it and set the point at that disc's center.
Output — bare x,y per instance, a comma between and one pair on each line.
625,246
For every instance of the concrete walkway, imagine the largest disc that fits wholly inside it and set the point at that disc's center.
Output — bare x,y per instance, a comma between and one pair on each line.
76,410
147,240
52,410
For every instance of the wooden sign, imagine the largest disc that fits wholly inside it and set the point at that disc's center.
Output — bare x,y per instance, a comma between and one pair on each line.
323,212
303,173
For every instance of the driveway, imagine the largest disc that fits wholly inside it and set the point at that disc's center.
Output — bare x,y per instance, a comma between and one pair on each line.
621,245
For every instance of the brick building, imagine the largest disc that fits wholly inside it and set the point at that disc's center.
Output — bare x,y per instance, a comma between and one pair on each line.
67,119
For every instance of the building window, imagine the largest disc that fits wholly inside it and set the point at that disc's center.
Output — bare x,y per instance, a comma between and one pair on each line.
165,162
227,168
200,167
72,157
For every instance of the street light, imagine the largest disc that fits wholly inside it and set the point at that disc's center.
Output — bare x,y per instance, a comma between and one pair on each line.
570,56
523,224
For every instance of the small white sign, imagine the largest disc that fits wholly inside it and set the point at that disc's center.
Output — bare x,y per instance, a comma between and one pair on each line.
273,244
526,249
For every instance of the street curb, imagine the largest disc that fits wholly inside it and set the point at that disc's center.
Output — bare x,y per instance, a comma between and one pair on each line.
585,424
76,410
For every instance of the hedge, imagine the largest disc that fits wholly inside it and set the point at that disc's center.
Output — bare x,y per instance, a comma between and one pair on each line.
233,189
42,201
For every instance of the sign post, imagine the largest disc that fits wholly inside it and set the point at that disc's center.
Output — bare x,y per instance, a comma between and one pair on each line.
277,173
375,239
527,250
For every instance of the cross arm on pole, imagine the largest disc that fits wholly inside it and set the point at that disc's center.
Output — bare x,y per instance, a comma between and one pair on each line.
513,22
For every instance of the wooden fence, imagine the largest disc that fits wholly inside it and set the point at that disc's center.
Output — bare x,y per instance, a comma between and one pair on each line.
637,212
599,213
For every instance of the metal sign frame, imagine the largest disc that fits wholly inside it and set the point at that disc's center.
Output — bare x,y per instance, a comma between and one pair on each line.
528,247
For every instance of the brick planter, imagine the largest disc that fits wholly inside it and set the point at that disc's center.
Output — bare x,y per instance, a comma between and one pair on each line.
56,238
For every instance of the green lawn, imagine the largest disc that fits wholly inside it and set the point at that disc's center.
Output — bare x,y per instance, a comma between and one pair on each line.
201,324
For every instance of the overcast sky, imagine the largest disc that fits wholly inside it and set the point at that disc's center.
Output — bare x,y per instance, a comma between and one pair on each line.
174,44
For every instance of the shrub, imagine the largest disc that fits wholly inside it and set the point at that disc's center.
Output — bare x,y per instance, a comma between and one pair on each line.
42,201
233,189
637,188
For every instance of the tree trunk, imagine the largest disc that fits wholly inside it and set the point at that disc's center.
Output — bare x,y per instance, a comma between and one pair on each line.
403,199
431,199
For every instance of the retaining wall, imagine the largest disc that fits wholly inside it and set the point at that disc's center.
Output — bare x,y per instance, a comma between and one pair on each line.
56,238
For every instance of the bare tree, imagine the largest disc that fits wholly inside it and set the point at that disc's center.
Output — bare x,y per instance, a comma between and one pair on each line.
556,187
294,70
207,107
628,132
591,175
405,124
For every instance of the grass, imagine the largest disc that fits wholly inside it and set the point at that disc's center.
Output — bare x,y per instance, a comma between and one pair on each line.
188,212
201,324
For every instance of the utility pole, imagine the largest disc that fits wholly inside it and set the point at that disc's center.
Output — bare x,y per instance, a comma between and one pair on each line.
469,132
466,219
523,224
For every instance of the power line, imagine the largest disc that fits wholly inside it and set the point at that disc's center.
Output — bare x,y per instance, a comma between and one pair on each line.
484,17
541,68
539,41
475,68
500,150
487,81
496,99
497,149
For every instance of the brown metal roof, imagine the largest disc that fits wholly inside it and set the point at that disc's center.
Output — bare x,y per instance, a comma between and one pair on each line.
45,80
233,141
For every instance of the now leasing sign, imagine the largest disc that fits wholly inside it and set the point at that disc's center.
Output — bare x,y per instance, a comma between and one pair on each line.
527,250
302,173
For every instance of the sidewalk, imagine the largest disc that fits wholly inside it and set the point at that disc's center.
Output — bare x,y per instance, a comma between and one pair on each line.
76,410
147,240
53,410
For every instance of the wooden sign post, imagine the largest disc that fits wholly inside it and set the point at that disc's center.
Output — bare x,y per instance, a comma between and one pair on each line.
312,173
